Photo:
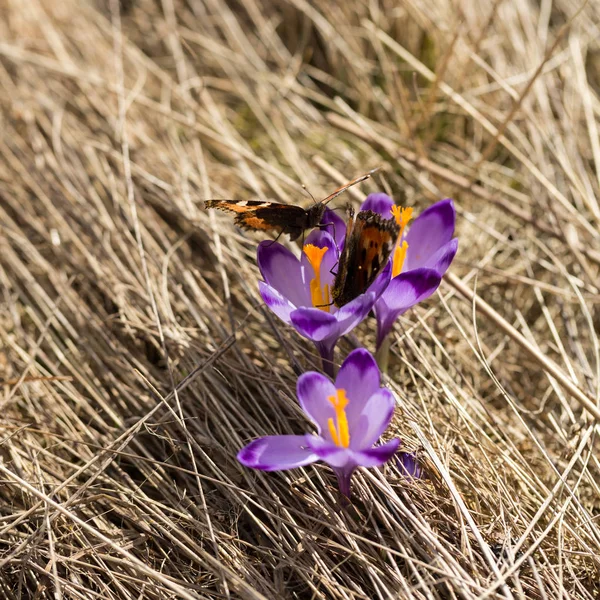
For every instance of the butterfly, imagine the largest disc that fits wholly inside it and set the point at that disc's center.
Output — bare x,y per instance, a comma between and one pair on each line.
282,218
369,242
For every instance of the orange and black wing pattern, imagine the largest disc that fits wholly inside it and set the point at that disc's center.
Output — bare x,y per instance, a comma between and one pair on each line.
281,218
266,216
370,240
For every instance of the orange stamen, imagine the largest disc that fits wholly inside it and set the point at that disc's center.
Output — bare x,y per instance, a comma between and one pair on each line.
398,260
319,295
340,434
402,216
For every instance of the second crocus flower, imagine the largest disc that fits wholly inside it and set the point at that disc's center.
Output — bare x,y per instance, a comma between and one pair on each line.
349,415
420,259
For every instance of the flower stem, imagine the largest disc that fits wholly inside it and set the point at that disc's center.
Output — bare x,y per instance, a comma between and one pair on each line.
382,356
326,351
344,476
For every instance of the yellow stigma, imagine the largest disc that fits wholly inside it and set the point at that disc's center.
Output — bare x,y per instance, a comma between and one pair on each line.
398,260
402,216
318,294
340,434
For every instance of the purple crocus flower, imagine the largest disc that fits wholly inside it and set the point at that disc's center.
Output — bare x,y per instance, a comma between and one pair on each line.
349,415
409,465
298,291
420,259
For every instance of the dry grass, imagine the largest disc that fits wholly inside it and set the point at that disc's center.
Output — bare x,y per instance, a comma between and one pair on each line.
135,355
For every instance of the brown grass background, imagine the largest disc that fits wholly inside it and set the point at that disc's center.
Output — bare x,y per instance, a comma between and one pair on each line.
135,355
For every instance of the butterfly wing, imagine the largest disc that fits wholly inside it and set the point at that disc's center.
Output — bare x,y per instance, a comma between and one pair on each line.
283,218
266,216
368,246
341,277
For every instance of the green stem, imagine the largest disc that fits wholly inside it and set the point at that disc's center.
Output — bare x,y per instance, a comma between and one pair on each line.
382,356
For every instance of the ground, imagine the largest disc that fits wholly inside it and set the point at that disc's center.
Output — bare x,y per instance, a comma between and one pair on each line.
137,358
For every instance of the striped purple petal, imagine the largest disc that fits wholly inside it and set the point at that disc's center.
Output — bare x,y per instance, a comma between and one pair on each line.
315,324
375,457
359,376
313,391
335,226
281,306
283,272
368,426
431,230
277,453
403,292
327,451
379,203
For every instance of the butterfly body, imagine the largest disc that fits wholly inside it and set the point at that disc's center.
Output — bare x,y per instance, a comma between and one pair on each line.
370,240
290,219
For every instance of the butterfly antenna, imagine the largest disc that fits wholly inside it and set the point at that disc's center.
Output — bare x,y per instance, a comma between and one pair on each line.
308,192
342,189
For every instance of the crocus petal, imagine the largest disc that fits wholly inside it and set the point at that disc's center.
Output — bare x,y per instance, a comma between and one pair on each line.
403,292
382,280
359,376
334,225
375,457
282,271
315,324
379,203
407,289
281,306
277,453
327,451
431,230
441,260
367,426
313,390
409,465
320,238
351,314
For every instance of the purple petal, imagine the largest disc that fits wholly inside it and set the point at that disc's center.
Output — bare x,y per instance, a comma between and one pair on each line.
375,457
281,306
351,314
313,390
431,230
441,260
407,289
277,453
315,324
403,292
379,203
335,226
409,465
382,280
327,451
320,238
359,376
282,271
368,425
